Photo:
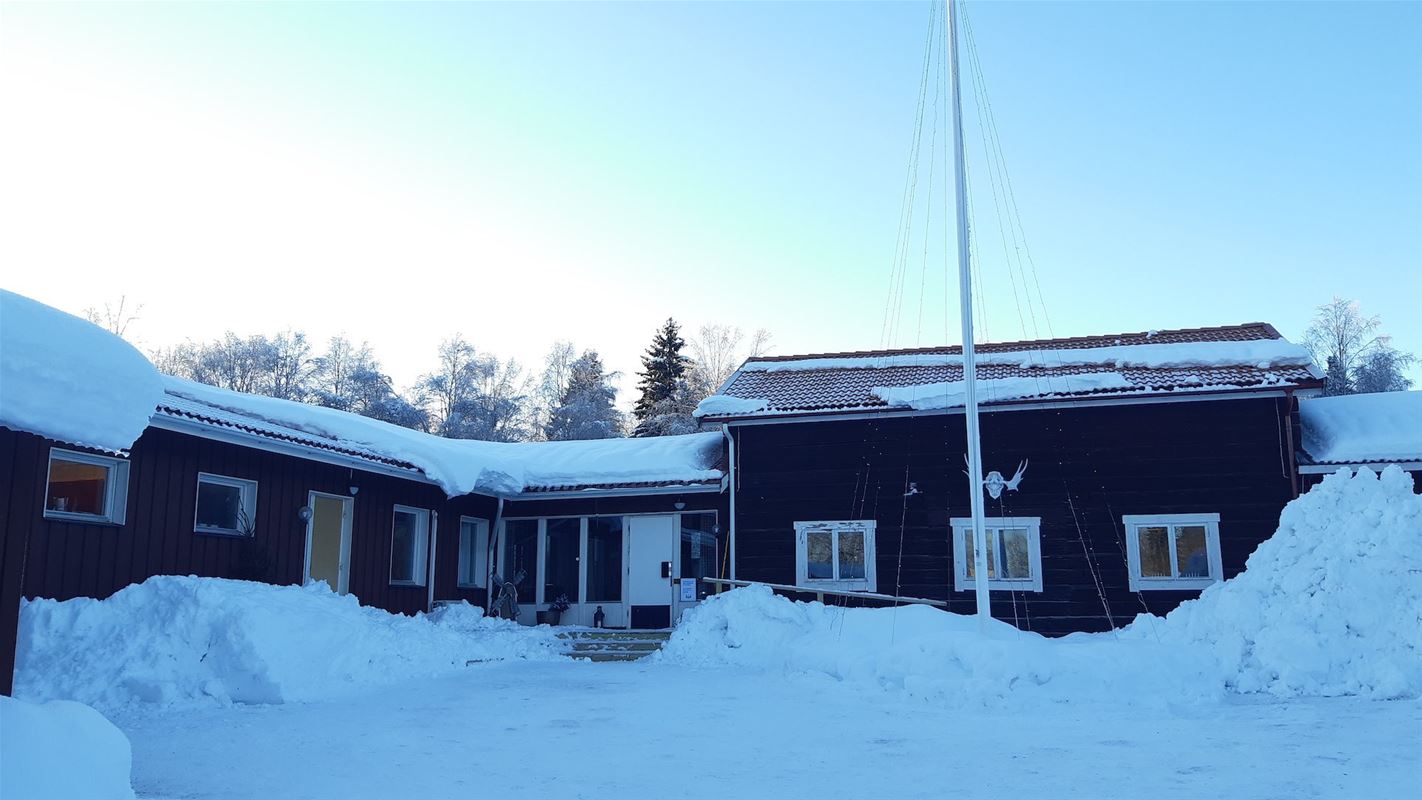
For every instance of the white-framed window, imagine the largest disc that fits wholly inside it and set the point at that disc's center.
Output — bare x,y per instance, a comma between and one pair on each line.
226,506
409,546
836,555
1173,551
473,552
83,487
1014,553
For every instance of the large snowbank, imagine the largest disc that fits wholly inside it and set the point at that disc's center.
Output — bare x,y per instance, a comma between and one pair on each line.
69,379
1259,353
61,751
461,466
181,640
1330,605
940,657
1363,428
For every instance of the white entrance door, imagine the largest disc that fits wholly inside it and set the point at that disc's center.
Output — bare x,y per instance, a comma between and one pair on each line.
651,544
328,540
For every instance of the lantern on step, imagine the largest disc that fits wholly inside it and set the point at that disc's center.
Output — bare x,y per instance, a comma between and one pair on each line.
598,617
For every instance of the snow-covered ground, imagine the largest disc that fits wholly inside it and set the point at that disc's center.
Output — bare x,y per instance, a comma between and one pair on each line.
1300,678
642,730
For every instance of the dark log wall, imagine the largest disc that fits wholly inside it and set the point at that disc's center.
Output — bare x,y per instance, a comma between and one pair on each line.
61,559
1090,465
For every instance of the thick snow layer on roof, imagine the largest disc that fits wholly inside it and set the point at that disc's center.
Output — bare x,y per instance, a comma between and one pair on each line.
952,394
724,404
1260,353
461,466
70,380
1363,428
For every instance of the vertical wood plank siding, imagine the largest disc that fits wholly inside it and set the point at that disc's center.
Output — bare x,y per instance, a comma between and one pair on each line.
62,560
1090,466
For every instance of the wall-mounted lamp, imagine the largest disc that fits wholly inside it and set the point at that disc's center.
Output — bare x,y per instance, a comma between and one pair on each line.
305,513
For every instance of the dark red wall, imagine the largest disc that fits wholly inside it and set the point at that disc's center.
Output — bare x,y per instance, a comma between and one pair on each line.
1089,466
60,559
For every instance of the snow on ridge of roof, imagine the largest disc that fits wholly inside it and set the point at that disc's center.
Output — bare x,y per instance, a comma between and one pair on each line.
1258,353
461,466
1363,428
69,380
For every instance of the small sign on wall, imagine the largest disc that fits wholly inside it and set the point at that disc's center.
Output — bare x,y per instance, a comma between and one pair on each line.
688,590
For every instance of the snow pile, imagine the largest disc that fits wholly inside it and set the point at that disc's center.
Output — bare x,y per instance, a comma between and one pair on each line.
1330,605
1258,353
61,751
182,640
1363,428
953,394
461,466
70,380
939,657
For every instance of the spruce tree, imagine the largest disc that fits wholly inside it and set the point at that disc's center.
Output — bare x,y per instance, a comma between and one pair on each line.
1336,380
663,371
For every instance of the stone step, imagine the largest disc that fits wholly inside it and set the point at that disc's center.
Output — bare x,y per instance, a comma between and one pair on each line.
604,634
606,657
615,647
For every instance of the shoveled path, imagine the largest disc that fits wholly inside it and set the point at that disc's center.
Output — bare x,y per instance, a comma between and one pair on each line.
643,730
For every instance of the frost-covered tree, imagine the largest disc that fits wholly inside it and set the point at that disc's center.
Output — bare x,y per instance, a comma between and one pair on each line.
115,317
348,377
473,395
290,366
548,394
663,389
1383,370
716,352
1355,351
333,377
585,410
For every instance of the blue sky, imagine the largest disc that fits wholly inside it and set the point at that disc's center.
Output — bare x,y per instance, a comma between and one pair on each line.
529,172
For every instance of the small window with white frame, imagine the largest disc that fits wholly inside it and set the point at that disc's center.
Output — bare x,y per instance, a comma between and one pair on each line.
1173,551
409,543
225,506
836,555
473,552
83,487
1014,554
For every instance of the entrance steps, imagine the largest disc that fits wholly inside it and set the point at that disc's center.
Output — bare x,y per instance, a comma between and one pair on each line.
613,645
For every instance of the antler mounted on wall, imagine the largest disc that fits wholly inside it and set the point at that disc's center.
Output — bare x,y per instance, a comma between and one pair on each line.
995,483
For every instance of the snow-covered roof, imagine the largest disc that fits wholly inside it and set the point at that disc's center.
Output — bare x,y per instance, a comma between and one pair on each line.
1187,361
67,379
1363,428
459,466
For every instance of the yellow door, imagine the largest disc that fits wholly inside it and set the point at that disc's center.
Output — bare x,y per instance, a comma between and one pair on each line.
330,522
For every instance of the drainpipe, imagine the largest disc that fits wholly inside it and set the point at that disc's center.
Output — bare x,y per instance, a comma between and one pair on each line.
1290,403
490,553
434,547
731,469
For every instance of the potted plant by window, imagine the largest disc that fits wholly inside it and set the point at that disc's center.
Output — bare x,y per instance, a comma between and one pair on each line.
554,614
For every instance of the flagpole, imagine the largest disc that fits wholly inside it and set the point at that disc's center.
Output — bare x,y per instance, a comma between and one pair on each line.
970,369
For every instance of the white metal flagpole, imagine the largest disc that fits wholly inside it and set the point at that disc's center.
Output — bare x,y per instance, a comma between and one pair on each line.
970,369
